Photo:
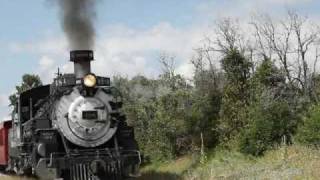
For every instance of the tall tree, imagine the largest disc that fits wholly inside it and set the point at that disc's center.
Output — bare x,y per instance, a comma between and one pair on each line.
29,81
272,114
236,92
293,42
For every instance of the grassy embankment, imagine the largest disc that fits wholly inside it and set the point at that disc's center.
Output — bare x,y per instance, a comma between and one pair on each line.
293,162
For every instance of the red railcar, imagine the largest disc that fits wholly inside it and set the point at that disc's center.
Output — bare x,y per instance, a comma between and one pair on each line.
4,143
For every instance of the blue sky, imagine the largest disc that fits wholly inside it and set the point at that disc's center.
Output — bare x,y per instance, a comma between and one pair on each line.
131,34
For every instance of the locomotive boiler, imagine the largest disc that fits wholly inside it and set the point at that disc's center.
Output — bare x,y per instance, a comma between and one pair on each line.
72,129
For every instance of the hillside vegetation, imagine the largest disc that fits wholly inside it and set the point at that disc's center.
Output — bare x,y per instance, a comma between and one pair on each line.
293,162
248,92
255,88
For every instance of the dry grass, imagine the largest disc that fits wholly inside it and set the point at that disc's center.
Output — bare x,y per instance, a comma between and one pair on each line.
14,178
294,162
168,171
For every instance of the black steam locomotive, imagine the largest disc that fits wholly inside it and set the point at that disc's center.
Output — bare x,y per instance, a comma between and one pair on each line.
73,129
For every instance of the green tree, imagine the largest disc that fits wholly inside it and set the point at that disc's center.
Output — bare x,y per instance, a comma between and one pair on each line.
272,113
236,94
29,81
308,132
206,99
269,124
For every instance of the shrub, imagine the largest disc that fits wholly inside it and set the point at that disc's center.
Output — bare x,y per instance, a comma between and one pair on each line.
308,133
269,123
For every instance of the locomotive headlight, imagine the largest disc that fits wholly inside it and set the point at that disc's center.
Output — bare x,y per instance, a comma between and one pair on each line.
90,80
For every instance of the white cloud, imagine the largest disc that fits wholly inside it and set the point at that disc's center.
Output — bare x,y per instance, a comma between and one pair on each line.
53,53
4,101
47,68
121,50
4,107
5,118
187,70
212,9
50,45
288,2
46,63
130,51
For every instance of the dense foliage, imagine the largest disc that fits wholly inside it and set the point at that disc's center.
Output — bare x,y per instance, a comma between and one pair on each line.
308,133
236,94
251,108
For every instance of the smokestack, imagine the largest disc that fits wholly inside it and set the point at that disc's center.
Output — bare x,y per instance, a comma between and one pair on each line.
77,20
81,60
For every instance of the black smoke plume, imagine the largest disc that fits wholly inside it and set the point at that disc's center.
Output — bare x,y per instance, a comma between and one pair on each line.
77,18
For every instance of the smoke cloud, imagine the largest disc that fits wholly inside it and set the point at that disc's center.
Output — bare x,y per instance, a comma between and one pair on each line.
77,18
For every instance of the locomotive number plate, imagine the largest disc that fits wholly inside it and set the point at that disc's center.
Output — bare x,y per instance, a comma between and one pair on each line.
90,115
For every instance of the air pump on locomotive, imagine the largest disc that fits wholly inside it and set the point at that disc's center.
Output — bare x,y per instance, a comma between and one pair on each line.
73,128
